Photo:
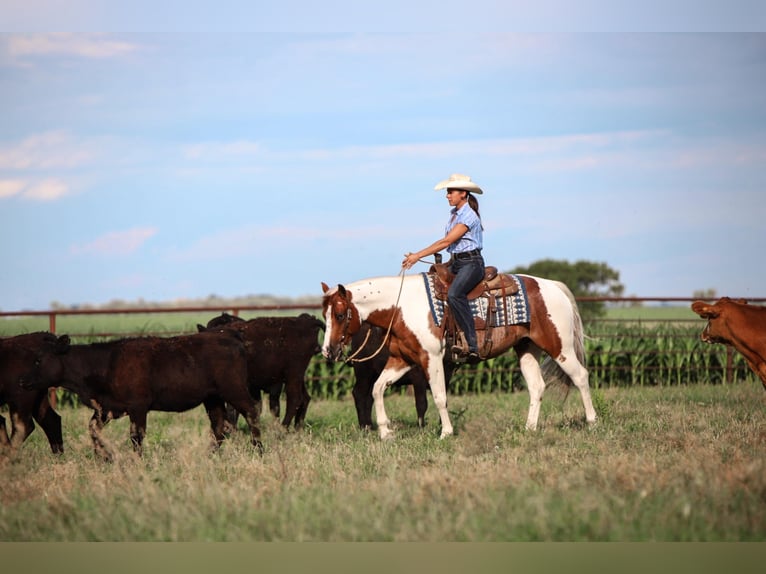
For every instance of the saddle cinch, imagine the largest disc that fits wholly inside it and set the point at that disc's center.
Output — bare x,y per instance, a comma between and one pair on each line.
494,286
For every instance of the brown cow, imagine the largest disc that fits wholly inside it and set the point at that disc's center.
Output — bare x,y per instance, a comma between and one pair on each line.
735,323
17,356
279,350
134,376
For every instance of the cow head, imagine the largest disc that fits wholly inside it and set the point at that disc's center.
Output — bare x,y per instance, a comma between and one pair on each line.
18,355
47,368
717,329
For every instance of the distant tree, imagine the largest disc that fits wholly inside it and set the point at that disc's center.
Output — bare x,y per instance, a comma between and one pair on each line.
705,294
584,279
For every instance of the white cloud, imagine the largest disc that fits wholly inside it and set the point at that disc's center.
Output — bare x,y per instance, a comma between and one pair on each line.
98,46
46,190
43,190
47,150
11,187
116,242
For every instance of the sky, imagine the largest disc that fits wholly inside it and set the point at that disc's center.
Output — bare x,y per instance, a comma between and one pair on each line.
171,165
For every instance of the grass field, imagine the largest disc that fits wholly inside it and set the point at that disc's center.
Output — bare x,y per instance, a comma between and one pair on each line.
683,463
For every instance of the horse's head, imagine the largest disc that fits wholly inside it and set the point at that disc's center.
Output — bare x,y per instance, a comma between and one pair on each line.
341,318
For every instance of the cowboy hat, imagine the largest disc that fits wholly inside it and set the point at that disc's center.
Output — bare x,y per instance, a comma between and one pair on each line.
459,181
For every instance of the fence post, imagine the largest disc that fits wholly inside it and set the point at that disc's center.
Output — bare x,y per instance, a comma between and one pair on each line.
52,329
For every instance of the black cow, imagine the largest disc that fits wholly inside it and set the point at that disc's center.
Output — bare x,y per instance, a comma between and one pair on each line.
367,372
17,356
138,375
279,350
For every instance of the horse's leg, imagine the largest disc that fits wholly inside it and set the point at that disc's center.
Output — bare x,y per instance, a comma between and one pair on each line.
392,372
438,384
529,363
575,370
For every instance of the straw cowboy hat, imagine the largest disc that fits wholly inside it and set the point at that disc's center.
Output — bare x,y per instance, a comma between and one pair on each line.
459,181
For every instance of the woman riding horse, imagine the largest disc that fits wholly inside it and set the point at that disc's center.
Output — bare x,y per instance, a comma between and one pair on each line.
464,241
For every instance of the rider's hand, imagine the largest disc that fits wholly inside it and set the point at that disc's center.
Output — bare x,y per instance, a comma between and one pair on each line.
409,260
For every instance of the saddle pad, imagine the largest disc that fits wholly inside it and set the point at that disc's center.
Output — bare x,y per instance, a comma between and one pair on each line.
516,304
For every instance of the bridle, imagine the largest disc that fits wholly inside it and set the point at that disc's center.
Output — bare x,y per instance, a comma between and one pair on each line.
347,323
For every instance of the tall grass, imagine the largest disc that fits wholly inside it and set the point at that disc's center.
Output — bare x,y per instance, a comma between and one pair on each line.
663,464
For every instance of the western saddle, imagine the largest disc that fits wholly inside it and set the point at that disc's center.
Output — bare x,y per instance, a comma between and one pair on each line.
494,286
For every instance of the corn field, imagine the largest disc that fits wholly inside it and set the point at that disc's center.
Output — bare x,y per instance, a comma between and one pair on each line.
622,350
618,354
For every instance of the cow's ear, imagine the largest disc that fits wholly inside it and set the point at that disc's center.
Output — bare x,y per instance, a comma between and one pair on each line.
62,344
704,310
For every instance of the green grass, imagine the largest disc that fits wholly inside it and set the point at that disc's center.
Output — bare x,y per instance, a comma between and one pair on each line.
682,463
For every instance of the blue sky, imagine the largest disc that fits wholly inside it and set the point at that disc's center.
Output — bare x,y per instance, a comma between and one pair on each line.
175,165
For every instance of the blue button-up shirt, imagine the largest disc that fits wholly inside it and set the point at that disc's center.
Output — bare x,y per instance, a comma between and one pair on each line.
472,239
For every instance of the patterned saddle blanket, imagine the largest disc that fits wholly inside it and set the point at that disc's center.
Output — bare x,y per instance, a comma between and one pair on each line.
500,312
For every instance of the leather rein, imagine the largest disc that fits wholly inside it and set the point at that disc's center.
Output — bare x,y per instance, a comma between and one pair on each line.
352,358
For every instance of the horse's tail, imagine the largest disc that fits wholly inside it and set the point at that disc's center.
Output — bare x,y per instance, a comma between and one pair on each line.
552,373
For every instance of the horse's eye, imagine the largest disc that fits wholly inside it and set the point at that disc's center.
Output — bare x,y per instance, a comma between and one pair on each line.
340,316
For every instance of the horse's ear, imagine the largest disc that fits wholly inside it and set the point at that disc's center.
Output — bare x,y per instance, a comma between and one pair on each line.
325,288
341,290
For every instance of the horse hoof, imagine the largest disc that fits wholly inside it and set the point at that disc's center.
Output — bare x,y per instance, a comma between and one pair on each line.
386,434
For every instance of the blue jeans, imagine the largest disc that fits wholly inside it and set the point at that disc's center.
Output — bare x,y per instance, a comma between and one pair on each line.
468,272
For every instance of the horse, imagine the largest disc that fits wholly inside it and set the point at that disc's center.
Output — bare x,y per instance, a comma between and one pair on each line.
400,305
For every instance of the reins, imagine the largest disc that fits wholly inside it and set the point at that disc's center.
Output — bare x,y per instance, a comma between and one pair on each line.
352,358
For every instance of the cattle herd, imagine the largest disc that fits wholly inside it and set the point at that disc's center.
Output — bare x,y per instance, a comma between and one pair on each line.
227,365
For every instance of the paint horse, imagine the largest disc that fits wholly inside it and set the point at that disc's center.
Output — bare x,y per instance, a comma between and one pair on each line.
399,305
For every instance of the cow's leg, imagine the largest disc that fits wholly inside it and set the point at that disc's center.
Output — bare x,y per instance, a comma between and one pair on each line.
300,416
138,431
362,393
50,421
420,391
529,363
4,440
392,372
275,392
294,384
230,419
216,413
96,424
22,426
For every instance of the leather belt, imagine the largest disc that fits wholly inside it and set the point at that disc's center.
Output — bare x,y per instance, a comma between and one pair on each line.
467,254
